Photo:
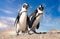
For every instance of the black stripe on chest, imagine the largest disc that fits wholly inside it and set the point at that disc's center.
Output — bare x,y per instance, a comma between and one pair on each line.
19,15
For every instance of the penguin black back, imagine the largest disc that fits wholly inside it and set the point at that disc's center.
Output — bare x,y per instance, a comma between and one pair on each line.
33,18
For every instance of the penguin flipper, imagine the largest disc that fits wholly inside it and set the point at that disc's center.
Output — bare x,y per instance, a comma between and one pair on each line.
15,22
38,25
17,19
28,22
28,19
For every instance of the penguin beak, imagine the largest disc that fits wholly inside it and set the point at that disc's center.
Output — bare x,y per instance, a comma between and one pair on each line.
27,6
41,7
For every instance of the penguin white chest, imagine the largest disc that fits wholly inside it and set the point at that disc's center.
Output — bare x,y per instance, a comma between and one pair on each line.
23,17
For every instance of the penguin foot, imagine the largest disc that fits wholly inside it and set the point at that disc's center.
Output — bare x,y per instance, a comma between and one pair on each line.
20,32
30,32
17,34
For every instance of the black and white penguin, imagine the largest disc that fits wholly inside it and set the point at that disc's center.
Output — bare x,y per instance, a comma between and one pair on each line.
21,20
34,19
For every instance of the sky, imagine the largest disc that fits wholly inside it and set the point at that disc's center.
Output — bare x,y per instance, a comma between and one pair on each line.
50,19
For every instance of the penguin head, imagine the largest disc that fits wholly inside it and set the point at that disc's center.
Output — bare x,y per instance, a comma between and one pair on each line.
25,5
41,8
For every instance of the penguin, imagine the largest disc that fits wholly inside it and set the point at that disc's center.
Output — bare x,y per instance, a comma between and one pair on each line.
34,19
21,20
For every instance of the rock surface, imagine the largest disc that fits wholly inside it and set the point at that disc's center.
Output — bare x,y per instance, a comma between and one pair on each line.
12,35
33,36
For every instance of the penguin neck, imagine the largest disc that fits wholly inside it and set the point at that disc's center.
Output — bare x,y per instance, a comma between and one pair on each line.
23,9
39,11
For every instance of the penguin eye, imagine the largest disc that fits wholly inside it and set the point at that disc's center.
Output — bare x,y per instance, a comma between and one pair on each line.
41,8
24,6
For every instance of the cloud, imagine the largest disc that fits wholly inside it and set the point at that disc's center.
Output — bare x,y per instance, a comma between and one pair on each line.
6,11
7,21
3,25
49,21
